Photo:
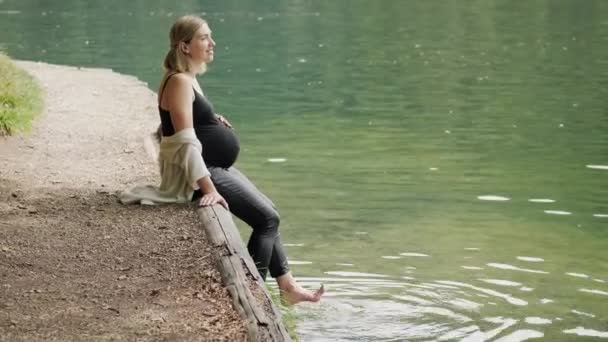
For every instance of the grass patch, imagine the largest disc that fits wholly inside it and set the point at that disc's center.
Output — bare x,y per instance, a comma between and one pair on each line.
20,98
288,315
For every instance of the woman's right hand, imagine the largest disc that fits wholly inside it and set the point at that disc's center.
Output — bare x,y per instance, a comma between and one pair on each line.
224,121
213,198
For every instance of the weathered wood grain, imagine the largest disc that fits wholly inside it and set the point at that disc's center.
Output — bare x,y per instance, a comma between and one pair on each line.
238,273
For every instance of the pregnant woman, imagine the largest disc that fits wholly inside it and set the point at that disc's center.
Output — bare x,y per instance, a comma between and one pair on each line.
199,148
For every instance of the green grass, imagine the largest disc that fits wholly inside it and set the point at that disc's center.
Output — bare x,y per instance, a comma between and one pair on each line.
20,98
288,315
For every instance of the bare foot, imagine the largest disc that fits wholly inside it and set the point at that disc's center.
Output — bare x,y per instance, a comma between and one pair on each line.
298,294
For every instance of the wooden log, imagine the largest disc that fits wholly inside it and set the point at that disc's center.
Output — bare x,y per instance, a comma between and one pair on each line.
238,272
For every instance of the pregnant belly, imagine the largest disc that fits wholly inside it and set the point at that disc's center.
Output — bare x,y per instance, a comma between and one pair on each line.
220,145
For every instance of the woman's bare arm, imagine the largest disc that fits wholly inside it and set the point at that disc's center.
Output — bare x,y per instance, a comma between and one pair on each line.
177,99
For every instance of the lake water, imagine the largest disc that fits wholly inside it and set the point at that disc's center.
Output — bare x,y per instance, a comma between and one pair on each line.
442,167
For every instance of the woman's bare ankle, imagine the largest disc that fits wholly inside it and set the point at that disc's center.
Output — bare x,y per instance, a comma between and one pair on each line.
286,282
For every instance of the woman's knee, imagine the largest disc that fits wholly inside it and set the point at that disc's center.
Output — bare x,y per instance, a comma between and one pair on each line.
270,222
273,218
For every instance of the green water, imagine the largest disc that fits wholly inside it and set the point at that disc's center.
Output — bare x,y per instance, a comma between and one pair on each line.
377,127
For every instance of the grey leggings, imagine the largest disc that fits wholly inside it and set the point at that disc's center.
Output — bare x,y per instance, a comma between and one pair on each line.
253,207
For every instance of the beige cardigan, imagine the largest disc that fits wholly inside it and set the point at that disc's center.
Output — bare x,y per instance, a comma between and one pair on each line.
181,166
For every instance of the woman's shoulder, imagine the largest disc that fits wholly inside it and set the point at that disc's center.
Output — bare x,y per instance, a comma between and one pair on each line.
177,82
174,85
177,78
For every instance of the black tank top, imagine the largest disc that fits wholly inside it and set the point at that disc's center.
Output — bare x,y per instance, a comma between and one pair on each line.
220,144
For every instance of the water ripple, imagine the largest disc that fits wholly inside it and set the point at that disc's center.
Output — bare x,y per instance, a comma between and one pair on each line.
465,304
604,293
458,333
426,293
389,319
537,320
297,262
413,299
598,167
557,212
541,200
521,335
510,299
472,268
578,275
580,331
483,336
444,312
580,313
356,274
500,282
414,254
530,259
514,268
492,198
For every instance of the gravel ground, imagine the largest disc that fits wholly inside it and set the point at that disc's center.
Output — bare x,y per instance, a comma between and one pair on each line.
74,264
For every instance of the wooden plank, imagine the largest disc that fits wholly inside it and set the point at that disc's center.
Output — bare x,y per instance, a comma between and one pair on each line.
234,274
250,325
238,270
225,220
209,220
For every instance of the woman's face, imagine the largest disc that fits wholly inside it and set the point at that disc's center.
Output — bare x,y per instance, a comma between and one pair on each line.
201,46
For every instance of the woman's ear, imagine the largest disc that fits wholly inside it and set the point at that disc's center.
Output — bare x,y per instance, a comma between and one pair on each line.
184,47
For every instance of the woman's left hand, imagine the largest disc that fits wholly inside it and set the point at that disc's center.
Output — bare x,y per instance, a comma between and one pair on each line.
223,120
213,198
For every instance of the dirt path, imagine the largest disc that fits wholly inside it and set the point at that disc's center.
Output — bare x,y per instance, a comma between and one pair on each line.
76,265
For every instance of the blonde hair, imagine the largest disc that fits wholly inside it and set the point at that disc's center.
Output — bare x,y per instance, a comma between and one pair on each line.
183,30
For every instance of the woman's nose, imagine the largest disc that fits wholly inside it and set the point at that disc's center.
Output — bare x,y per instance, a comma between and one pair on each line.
212,41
